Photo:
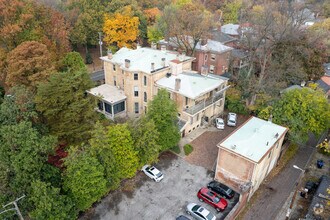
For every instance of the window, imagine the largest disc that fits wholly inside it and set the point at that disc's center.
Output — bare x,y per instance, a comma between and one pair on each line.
145,97
119,107
205,57
100,105
136,91
114,67
108,108
213,56
145,80
211,68
187,100
114,81
136,108
269,154
136,76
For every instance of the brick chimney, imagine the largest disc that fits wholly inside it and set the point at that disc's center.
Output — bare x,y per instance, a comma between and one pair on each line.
127,63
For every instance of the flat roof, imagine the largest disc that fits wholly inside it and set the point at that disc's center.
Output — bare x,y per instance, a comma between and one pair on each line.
141,58
110,94
231,29
253,139
192,84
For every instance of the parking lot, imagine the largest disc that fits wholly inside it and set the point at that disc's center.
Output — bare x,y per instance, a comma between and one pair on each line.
142,198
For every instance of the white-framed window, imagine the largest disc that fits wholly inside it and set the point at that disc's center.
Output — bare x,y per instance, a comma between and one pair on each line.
211,68
136,76
136,91
213,56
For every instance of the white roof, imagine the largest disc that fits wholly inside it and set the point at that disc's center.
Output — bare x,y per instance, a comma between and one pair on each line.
231,29
110,94
192,84
141,58
254,138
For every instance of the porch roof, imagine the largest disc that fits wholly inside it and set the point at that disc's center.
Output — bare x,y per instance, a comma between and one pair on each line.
108,93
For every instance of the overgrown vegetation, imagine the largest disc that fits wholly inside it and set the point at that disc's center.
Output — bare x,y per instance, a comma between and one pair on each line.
188,149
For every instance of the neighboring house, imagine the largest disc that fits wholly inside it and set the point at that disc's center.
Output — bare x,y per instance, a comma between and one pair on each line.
246,157
231,30
239,59
133,77
223,38
211,56
200,98
324,83
326,69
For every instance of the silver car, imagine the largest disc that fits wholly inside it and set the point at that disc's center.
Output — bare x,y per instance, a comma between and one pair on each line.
199,212
232,117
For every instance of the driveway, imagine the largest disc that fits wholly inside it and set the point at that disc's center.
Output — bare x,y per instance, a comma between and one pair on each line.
205,151
142,199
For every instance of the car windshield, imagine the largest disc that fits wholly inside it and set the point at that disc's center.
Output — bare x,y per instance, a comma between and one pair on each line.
229,191
216,199
159,174
209,216
195,208
232,121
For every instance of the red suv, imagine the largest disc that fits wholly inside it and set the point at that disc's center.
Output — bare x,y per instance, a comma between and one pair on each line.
210,197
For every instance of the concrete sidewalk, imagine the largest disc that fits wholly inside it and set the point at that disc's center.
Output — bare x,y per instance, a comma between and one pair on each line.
274,202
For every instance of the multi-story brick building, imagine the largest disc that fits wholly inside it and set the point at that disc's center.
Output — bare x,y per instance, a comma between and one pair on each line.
133,77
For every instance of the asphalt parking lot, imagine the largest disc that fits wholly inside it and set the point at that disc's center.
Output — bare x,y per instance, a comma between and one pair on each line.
142,199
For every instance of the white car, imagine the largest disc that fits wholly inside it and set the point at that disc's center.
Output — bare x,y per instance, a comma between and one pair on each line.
153,173
219,123
232,117
199,212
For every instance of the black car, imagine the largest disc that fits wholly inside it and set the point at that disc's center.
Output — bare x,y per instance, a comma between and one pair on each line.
221,189
182,217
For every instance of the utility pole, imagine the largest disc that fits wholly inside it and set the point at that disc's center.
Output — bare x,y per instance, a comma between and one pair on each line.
15,207
100,42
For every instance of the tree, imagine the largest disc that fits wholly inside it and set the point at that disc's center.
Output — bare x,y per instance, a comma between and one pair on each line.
302,111
187,23
145,136
49,203
100,148
83,179
28,64
163,111
24,151
69,112
121,145
154,34
231,11
72,62
121,29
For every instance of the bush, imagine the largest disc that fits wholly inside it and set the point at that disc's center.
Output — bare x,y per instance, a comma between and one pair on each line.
176,149
324,147
187,149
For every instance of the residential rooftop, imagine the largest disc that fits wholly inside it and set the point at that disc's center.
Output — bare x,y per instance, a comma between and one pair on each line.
221,37
141,59
327,69
192,84
108,93
253,139
230,29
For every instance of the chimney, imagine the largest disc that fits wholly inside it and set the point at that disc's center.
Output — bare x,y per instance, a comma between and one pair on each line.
138,46
109,54
203,41
163,62
127,63
163,48
152,66
182,56
177,84
154,46
204,70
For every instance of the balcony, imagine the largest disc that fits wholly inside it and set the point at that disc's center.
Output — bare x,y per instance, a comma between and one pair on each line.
203,105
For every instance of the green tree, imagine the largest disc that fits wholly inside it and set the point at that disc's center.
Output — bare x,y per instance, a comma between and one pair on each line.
69,112
24,151
101,149
231,11
145,136
302,111
163,111
28,64
72,62
84,179
121,145
49,203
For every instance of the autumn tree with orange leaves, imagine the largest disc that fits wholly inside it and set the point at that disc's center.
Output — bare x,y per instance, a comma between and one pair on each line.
121,29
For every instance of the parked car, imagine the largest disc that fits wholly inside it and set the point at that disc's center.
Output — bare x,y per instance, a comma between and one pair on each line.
199,212
182,217
232,117
211,198
219,123
153,173
221,189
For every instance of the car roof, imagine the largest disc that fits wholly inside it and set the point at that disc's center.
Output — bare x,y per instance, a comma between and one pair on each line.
215,183
182,217
219,119
208,192
203,211
154,170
